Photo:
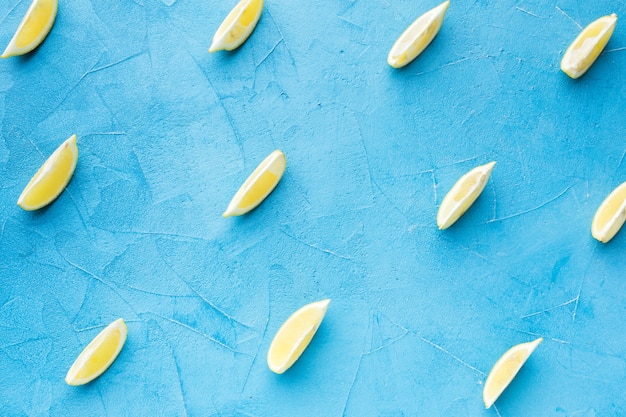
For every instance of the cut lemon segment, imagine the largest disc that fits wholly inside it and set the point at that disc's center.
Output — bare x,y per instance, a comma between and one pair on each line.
52,178
610,215
237,26
295,335
259,185
417,36
463,194
33,29
505,370
98,355
586,48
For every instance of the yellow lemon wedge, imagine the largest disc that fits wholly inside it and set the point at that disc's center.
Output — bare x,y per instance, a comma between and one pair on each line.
505,370
259,185
610,216
586,48
52,178
417,36
98,355
295,335
33,29
237,26
463,194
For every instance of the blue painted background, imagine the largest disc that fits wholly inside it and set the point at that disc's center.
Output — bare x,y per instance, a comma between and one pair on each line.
168,132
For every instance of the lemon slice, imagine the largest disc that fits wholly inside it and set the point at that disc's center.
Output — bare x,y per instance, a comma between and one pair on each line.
463,194
295,335
417,36
258,185
52,178
98,355
33,29
610,215
586,48
505,370
237,26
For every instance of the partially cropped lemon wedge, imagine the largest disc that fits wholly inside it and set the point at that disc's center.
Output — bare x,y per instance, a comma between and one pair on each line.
259,185
295,335
417,36
610,216
463,194
505,370
52,178
98,355
33,29
237,26
586,48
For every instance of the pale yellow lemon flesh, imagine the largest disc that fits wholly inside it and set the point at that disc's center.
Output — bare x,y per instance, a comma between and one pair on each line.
610,216
237,26
259,185
33,28
294,336
417,36
52,178
98,355
505,370
586,48
462,195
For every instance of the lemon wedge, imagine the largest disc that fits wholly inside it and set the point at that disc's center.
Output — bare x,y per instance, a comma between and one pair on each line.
610,215
417,36
98,355
33,29
52,178
463,194
295,335
237,26
505,370
259,185
586,48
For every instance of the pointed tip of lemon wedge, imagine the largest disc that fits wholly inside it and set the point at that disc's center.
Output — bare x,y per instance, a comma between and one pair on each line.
588,46
463,194
294,336
33,28
51,178
98,355
416,38
237,26
505,370
610,216
258,185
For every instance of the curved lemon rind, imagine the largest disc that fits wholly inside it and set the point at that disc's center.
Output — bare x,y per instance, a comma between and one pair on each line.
303,341
607,233
12,49
233,208
574,71
49,163
70,378
529,347
398,56
443,221
219,42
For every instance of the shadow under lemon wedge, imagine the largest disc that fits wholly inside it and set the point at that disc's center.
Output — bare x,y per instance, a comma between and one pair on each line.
237,26
33,28
294,336
52,178
587,46
99,354
505,370
610,216
463,194
258,185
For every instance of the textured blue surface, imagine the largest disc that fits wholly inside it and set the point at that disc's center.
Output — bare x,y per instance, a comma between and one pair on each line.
168,132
